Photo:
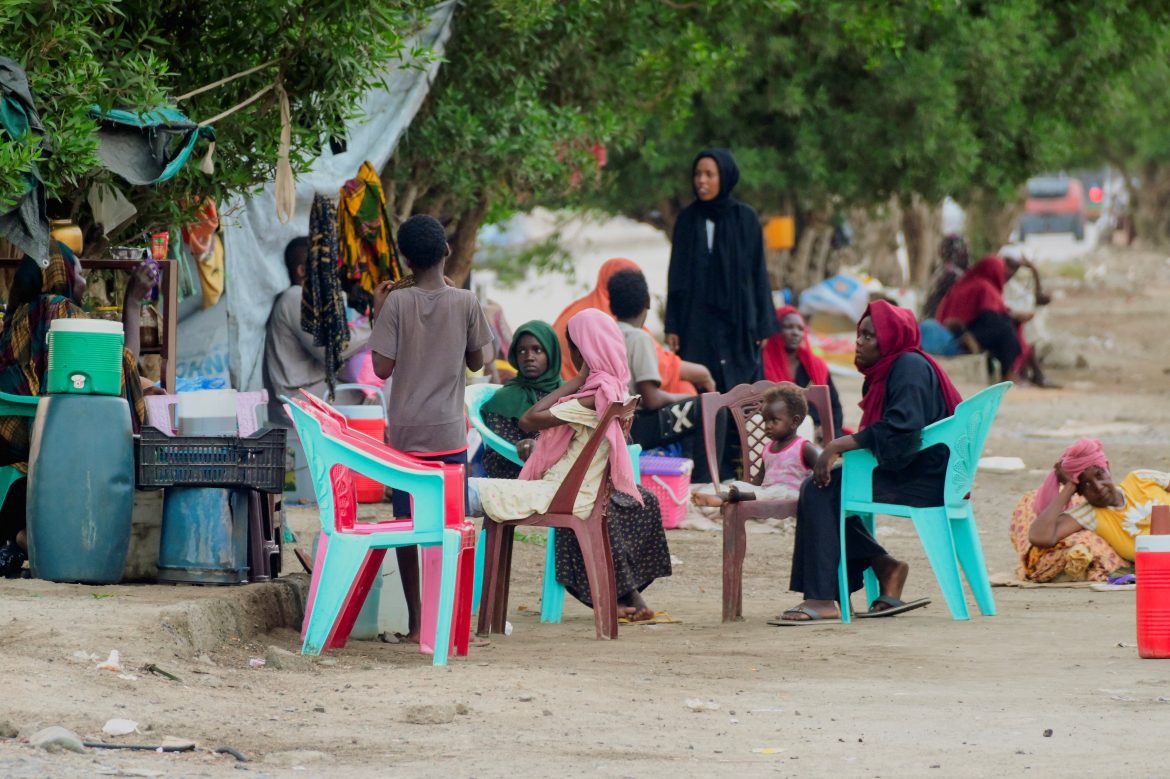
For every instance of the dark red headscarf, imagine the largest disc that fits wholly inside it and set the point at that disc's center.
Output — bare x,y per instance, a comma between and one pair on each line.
776,366
980,289
897,333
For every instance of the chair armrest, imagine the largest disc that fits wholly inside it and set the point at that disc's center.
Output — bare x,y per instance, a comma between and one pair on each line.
857,475
18,405
495,441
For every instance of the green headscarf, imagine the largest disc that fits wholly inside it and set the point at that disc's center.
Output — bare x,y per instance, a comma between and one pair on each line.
522,393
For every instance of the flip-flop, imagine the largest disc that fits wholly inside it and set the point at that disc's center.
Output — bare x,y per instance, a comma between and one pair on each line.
813,618
896,607
659,618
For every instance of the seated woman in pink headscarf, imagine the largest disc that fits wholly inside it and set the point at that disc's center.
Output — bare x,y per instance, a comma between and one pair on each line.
566,418
1081,525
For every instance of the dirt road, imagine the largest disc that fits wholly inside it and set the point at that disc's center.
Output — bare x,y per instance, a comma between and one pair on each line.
1050,686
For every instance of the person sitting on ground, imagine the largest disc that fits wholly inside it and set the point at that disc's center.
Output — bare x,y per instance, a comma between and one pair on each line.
975,311
788,458
904,391
566,419
676,375
291,360
425,336
789,357
1026,300
36,298
1081,525
663,417
955,261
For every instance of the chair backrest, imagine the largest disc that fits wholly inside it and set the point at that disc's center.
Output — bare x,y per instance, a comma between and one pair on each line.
745,404
333,450
617,414
474,398
964,433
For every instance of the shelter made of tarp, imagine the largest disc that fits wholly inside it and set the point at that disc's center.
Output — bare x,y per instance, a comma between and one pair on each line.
254,239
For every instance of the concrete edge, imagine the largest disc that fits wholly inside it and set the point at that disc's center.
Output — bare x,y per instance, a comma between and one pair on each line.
240,613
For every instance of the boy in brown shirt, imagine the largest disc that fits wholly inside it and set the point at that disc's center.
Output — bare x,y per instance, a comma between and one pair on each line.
424,336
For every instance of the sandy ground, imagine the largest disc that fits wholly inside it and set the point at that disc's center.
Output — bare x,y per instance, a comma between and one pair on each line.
1052,685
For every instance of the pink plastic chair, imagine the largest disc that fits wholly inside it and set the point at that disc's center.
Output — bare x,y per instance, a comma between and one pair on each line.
160,416
446,538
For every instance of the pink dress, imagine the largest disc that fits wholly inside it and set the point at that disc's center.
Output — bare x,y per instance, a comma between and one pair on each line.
786,468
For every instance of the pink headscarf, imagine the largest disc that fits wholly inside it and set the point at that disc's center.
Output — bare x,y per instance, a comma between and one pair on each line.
600,342
1075,460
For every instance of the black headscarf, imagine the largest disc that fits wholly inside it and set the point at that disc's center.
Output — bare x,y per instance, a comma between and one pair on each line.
728,282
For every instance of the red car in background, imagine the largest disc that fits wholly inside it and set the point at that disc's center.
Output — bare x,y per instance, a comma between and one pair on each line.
1055,204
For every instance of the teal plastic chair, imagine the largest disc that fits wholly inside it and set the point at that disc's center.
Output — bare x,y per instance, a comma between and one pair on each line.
552,596
350,554
14,406
947,532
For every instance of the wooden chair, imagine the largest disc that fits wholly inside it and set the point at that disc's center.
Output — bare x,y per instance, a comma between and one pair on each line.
744,404
592,536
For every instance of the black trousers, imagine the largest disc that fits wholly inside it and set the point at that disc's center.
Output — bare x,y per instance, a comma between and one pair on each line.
997,333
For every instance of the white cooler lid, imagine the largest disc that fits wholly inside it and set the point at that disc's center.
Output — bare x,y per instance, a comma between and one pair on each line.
86,326
1153,543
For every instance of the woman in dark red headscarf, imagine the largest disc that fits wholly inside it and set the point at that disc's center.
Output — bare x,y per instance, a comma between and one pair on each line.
904,391
975,306
789,357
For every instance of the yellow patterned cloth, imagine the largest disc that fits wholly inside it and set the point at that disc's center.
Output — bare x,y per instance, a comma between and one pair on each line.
1082,556
1120,525
368,255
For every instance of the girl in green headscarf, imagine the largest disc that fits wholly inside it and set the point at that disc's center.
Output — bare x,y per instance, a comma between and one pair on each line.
536,355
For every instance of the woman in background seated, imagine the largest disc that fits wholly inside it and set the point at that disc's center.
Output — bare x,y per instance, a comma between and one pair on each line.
974,309
1081,525
789,357
37,298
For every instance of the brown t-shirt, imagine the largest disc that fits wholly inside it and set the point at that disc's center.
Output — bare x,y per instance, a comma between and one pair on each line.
428,334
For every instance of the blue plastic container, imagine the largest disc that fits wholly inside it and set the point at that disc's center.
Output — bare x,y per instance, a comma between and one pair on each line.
204,536
80,488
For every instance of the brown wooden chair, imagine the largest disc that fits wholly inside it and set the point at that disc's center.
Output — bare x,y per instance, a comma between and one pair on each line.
744,405
592,536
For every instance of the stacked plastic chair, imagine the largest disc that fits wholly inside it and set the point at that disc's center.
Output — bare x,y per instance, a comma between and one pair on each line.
947,532
350,554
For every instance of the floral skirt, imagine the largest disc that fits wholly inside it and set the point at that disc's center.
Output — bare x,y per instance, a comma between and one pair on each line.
1082,556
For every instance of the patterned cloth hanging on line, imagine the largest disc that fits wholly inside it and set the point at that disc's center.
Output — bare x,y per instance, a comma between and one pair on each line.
323,306
368,254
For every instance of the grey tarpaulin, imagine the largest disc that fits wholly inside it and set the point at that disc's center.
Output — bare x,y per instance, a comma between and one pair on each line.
254,239
26,224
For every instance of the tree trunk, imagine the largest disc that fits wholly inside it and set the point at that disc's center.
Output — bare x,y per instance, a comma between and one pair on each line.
875,241
463,241
806,264
921,229
989,222
1150,204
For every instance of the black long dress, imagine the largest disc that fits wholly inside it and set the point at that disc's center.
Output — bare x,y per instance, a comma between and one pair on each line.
719,298
904,475
640,553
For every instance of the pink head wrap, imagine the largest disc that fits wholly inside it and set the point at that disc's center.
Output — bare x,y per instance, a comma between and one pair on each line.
600,342
1075,460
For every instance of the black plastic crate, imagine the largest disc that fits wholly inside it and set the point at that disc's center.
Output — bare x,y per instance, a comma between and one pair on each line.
256,462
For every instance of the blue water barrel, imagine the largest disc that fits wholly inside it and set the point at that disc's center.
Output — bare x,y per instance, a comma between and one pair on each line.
204,536
80,488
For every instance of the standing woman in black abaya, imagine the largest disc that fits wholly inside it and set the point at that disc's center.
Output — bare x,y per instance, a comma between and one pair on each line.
719,301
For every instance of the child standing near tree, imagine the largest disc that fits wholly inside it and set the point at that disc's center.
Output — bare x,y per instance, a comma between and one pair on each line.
425,335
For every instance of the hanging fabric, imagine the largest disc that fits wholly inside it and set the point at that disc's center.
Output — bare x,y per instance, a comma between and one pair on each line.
368,254
148,147
323,305
26,223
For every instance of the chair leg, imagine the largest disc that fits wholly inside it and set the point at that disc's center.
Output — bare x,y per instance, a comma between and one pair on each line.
477,594
338,592
734,550
970,553
934,531
608,576
446,605
599,593
314,579
493,536
464,585
872,588
843,575
370,569
504,580
552,598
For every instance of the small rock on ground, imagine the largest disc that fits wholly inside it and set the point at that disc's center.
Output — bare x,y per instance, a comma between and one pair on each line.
210,681
284,660
56,738
8,730
429,714
294,757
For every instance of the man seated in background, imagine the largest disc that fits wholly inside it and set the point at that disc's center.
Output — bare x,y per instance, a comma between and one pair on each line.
291,360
